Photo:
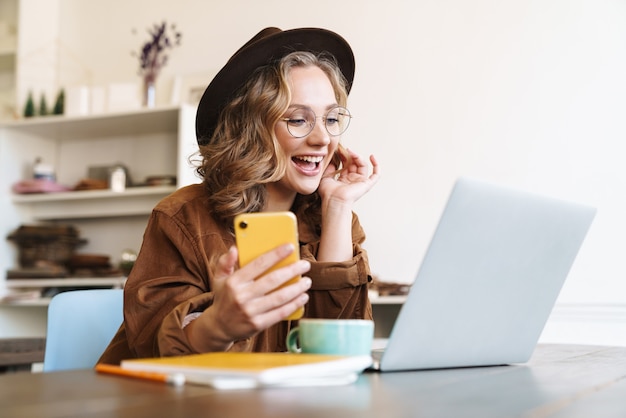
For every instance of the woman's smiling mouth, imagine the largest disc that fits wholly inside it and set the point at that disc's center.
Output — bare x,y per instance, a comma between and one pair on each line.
307,162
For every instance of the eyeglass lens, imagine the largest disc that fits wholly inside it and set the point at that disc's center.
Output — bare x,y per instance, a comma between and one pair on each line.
302,121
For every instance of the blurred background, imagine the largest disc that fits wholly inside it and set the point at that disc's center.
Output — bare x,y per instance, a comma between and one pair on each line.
526,94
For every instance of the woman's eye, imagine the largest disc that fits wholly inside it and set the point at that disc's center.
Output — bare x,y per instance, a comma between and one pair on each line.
331,121
297,121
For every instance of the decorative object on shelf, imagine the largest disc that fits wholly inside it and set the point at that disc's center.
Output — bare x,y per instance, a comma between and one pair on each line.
92,265
91,184
29,108
98,100
43,181
32,186
59,104
117,179
44,250
43,105
128,261
76,101
42,170
165,180
149,90
153,56
384,288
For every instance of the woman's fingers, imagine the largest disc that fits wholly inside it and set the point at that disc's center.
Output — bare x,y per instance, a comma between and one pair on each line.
254,290
277,296
272,289
270,317
264,262
358,164
226,265
251,299
375,168
274,279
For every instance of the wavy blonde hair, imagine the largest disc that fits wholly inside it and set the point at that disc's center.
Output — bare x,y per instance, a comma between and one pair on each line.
243,155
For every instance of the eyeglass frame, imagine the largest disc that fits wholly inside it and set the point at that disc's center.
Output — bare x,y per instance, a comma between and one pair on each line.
323,117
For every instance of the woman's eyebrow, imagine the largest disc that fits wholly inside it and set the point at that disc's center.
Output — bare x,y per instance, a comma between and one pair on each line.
298,105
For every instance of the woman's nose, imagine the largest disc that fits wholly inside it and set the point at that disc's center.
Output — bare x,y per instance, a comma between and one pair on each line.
319,134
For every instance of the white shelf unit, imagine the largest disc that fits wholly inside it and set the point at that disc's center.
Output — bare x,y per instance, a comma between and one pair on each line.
26,317
149,142
92,203
113,282
385,310
388,300
24,285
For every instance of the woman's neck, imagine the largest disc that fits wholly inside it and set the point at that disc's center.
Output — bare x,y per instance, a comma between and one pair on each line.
278,200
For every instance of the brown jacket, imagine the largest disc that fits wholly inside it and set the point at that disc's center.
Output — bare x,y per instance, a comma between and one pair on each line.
170,279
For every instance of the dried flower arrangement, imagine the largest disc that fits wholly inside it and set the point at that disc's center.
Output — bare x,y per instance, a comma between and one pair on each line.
153,54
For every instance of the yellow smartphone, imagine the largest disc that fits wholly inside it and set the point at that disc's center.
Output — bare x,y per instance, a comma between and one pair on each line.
259,232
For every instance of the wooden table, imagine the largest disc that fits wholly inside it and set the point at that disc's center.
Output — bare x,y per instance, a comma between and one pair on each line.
559,381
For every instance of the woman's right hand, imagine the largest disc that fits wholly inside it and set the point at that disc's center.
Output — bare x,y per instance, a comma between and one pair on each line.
247,301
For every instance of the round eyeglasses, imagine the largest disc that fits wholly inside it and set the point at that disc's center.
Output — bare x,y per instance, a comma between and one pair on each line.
301,121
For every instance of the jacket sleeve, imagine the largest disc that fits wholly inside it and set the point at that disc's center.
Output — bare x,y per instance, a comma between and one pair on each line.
339,289
169,280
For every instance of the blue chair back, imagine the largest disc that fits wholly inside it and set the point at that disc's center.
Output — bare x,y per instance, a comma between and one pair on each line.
81,323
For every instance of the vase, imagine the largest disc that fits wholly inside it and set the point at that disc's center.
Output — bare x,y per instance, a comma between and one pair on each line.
149,90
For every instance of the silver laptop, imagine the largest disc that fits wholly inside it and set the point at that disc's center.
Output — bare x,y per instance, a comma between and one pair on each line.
488,281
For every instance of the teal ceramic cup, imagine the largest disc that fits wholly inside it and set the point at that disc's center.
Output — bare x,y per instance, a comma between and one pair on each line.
347,337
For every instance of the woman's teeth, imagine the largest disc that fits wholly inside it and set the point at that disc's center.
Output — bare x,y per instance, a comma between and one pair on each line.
310,159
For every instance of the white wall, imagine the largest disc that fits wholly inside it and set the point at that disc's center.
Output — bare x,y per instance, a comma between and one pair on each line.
527,93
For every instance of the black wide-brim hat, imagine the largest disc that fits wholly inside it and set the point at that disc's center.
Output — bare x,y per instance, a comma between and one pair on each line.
271,44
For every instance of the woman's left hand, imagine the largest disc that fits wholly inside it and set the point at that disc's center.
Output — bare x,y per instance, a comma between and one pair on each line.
352,182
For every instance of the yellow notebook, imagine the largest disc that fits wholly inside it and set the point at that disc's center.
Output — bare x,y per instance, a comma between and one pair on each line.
250,370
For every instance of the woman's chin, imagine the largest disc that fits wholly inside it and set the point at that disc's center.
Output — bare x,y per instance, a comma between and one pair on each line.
307,187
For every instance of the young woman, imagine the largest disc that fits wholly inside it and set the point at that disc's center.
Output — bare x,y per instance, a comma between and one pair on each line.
269,127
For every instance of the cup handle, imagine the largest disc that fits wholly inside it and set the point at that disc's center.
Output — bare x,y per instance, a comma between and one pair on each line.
292,341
